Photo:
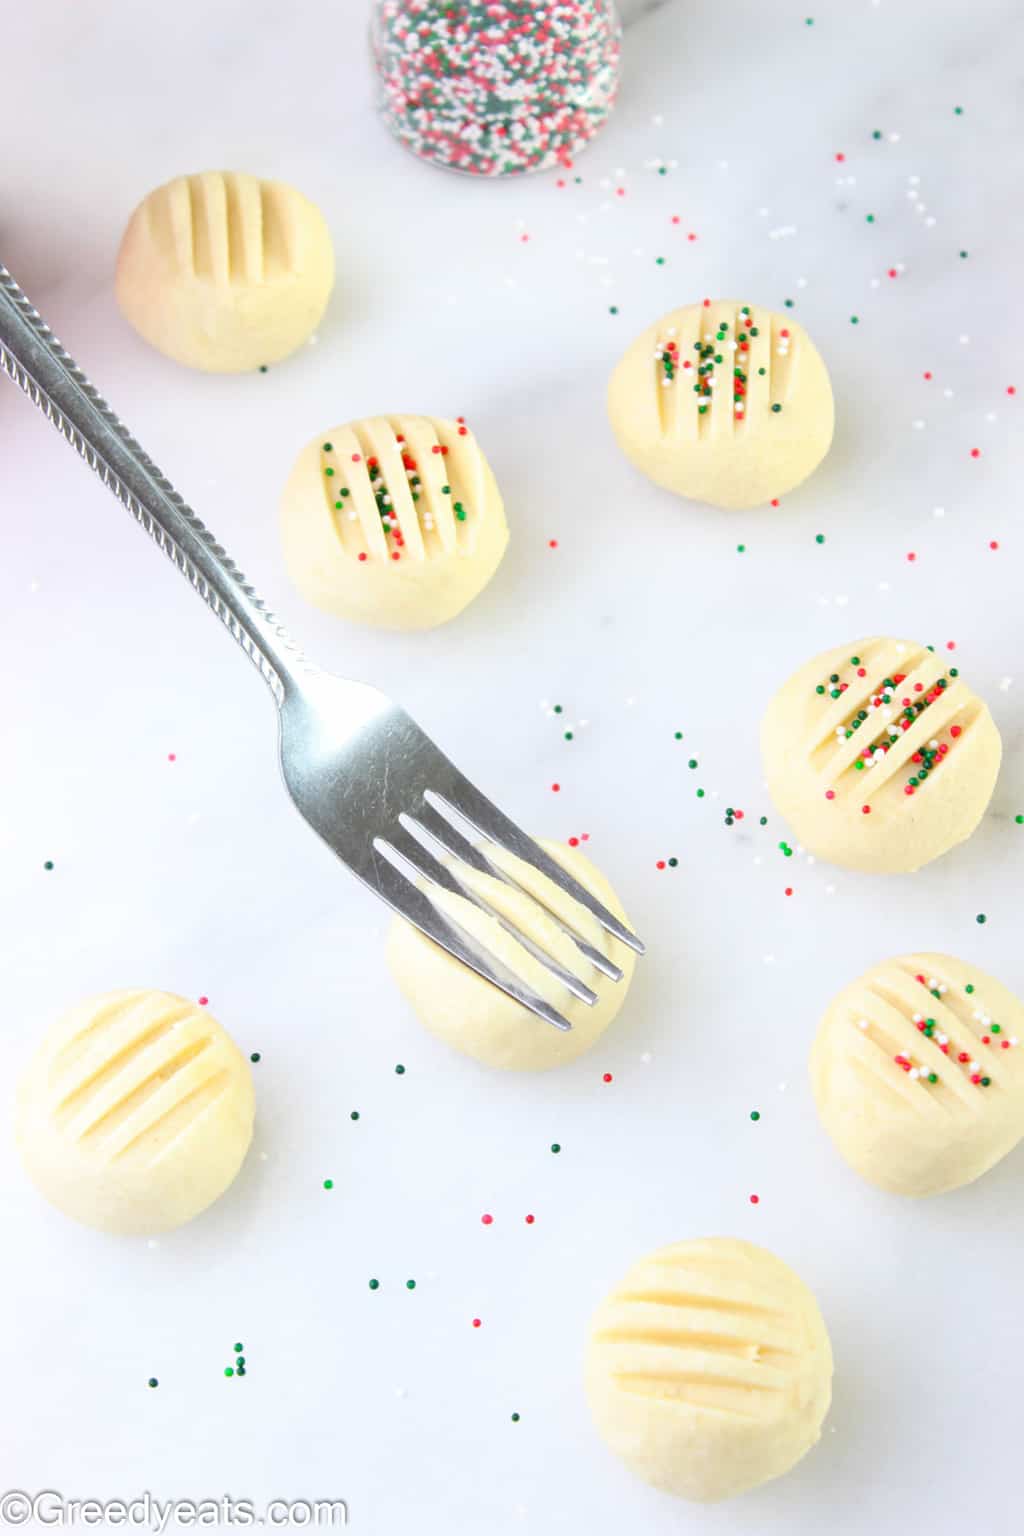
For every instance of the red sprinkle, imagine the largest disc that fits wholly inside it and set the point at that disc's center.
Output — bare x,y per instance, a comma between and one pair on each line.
487,1219
993,543
866,809
556,788
362,557
574,842
530,1220
975,453
1011,389
755,1199
660,864
927,375
203,1001
607,1077
830,794
476,1322
789,890
911,555
552,543
172,757
954,731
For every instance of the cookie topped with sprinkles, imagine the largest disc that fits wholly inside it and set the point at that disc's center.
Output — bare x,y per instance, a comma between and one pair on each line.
723,402
918,1074
496,88
393,521
880,755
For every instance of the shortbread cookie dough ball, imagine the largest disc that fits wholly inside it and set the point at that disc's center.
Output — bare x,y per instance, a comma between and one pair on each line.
394,521
476,1017
709,1369
879,755
224,272
723,402
918,1074
135,1113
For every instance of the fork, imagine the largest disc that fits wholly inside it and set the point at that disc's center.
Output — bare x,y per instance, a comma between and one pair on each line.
358,768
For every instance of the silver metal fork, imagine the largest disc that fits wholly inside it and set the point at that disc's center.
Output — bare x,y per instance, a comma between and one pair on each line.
358,768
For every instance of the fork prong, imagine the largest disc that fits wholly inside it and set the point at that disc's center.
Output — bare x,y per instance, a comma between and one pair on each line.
413,903
561,973
465,800
452,840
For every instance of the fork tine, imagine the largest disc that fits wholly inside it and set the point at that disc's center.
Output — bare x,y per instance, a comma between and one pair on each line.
568,979
414,904
482,814
452,840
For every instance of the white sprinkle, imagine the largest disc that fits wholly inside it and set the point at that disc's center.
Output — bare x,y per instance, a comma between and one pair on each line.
862,1023
917,425
1005,683
938,512
964,341
646,1057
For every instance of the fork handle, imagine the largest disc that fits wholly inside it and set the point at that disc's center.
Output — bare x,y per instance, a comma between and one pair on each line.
32,356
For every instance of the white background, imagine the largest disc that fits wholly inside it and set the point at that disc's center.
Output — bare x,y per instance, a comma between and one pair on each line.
196,875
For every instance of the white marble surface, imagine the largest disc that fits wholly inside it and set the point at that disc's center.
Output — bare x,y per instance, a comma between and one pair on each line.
195,875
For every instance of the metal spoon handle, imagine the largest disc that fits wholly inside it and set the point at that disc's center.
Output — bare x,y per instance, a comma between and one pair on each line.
32,356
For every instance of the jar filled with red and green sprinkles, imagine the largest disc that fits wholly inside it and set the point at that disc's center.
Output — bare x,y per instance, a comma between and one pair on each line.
496,87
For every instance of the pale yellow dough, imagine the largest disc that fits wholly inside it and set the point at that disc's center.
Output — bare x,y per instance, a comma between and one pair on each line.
224,272
709,1369
882,1040
399,562
712,447
135,1113
810,762
474,1016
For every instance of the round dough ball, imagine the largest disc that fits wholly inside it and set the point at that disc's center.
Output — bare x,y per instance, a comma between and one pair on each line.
690,422
918,1073
394,521
224,272
479,1019
135,1113
709,1369
879,755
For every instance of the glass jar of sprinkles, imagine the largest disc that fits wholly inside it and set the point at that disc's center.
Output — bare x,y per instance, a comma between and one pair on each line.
496,87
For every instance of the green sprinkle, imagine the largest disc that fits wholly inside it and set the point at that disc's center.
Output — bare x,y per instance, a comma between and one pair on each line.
568,735
877,134
692,763
969,988
410,1285
679,737
240,1362
328,447
515,1418
239,1348
48,864
870,219
755,1114
981,918
255,1056
152,1382
555,1146
788,303
1019,820
328,472
958,111
819,538
659,261
446,490
809,22
354,1115
263,367
229,1370
776,408
700,794
374,1285
672,863
985,1082
399,1070
963,255
740,549
328,1183
997,1029
933,1077
855,320
613,309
